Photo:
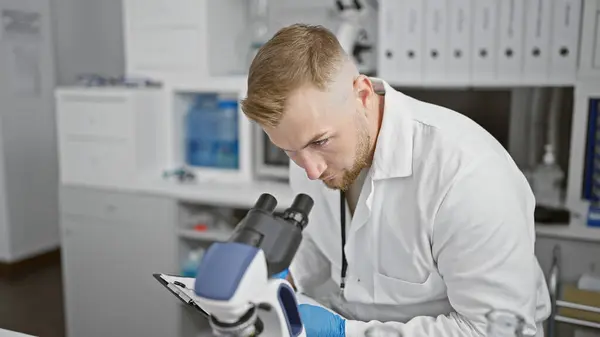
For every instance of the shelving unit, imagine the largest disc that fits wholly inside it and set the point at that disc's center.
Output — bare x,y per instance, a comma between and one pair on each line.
179,100
555,285
210,235
579,322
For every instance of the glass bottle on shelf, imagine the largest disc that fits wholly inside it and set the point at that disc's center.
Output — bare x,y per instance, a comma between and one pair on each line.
502,323
258,19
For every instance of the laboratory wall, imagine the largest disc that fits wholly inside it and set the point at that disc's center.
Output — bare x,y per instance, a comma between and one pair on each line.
88,38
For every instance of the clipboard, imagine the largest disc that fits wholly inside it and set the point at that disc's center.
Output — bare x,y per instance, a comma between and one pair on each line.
180,290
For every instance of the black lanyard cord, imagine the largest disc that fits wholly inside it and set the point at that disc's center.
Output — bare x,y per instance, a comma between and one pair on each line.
343,231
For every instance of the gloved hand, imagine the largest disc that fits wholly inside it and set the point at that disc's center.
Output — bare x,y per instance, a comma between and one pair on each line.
319,322
281,275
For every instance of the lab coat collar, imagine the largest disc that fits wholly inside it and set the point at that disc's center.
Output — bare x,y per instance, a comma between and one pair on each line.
394,148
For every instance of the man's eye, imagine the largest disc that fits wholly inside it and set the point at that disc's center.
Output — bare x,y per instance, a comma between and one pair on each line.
321,142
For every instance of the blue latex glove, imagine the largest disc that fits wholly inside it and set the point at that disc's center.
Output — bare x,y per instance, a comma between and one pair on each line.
281,275
320,322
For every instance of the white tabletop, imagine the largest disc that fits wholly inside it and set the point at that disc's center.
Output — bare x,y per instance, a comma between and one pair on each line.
6,333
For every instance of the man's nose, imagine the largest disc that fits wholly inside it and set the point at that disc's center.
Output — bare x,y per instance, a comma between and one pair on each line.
313,165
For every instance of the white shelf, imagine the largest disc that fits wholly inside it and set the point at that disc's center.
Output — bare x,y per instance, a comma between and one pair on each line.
572,231
574,321
209,235
577,306
242,195
450,84
234,83
238,83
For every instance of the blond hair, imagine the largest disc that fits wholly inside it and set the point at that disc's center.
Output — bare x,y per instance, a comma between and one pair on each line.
295,56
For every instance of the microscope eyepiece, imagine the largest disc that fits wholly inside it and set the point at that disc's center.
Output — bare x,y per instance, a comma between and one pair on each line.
298,212
302,203
266,202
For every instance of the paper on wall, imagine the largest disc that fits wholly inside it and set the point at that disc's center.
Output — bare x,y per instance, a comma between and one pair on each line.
21,35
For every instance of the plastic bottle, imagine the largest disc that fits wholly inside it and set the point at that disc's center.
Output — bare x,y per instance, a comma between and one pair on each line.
201,131
547,179
502,323
190,266
382,331
227,155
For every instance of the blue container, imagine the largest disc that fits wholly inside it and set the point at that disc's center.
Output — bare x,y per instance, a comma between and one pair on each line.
200,131
228,135
212,133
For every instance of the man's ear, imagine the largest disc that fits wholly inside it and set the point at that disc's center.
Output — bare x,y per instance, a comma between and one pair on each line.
363,90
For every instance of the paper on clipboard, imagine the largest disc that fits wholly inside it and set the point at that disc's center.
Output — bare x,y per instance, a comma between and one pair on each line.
183,288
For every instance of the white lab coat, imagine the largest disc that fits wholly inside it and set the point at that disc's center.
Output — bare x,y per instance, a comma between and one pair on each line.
442,233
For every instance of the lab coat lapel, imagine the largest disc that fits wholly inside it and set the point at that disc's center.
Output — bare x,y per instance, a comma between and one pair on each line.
362,212
392,159
332,198
353,224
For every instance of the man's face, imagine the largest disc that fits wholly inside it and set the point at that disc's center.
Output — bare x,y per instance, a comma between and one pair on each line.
325,133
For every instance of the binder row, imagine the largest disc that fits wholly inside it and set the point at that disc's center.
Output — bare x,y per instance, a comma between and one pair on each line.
470,42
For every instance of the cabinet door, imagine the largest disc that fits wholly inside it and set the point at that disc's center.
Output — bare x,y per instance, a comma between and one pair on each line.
109,288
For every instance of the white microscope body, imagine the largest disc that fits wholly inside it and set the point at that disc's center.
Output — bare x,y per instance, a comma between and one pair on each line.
258,306
233,283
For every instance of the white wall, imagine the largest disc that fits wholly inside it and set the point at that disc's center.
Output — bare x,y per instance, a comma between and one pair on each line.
88,38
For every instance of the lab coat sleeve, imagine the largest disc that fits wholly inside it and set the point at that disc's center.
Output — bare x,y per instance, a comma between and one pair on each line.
309,268
483,243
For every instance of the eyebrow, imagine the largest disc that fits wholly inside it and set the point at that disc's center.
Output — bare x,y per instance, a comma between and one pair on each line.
314,139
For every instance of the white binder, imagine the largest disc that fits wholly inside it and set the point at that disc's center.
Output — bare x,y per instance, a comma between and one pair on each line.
387,60
566,20
410,40
436,41
484,45
589,52
537,40
510,51
458,62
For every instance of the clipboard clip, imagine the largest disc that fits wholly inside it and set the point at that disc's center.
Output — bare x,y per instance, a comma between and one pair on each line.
176,288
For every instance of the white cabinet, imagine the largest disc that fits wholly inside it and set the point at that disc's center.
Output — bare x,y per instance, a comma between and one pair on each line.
589,63
109,136
191,41
112,244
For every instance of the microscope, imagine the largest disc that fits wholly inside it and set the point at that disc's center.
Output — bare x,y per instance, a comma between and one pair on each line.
357,31
234,283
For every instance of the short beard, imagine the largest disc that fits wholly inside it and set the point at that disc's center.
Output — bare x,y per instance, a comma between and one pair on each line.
360,162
